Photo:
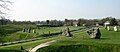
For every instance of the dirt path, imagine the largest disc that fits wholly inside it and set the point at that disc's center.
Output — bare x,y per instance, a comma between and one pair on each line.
41,45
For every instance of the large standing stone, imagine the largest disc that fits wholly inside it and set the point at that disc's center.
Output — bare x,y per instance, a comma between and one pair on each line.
108,28
115,28
34,31
66,32
94,33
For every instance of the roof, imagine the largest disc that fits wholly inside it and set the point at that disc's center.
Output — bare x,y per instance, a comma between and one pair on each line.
107,22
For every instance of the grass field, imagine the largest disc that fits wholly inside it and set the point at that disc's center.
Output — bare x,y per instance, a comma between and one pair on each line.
80,41
19,35
31,44
13,32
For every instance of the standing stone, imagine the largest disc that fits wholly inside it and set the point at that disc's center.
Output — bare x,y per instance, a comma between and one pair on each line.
91,33
84,25
23,29
29,30
115,28
94,33
98,33
76,25
108,28
34,31
66,32
97,24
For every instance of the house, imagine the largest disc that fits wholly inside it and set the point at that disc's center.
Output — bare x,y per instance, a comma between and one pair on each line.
107,23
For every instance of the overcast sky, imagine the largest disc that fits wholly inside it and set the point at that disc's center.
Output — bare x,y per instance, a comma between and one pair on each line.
60,9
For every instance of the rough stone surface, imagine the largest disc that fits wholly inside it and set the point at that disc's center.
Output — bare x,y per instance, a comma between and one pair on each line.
66,32
29,30
108,28
115,28
97,24
94,33
23,29
34,31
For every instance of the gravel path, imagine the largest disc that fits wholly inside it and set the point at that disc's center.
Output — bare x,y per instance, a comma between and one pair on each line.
41,45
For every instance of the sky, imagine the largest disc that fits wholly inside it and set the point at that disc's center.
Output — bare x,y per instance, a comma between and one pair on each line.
39,10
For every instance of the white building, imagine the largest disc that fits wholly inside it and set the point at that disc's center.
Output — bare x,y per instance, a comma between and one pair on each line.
107,23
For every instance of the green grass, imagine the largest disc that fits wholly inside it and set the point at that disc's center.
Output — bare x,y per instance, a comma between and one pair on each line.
13,50
18,36
13,32
109,42
80,41
109,37
79,48
24,35
28,45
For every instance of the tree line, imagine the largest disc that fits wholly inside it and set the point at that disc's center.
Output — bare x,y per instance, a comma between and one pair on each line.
79,22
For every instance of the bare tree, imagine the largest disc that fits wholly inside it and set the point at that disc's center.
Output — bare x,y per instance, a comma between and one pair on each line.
4,7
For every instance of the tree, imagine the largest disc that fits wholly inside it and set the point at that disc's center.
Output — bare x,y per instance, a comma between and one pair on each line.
47,21
119,22
113,22
56,23
68,22
88,22
4,21
4,6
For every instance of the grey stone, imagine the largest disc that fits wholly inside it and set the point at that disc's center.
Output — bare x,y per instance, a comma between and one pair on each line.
23,30
66,32
94,33
108,28
34,31
29,30
115,28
